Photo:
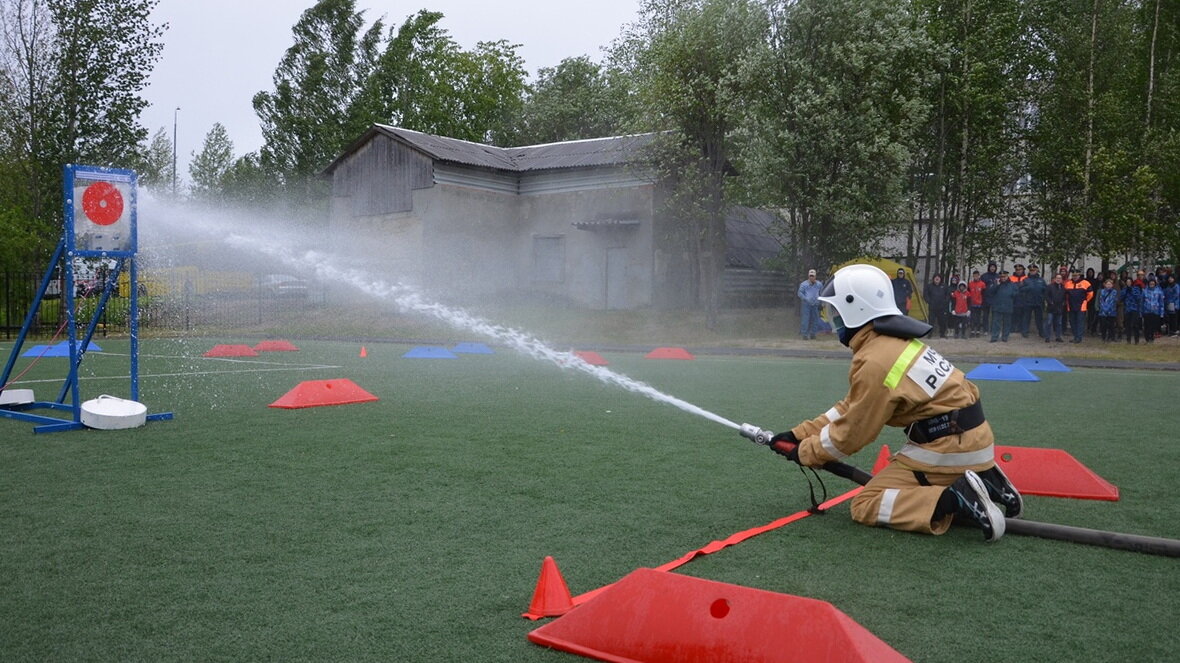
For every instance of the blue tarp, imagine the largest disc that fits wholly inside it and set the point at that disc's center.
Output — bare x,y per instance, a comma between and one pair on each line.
430,352
1008,372
472,349
1047,364
61,349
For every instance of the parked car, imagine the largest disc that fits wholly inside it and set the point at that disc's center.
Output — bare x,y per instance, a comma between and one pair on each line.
284,285
53,288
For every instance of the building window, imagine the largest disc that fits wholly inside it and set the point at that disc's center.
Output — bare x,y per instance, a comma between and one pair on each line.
549,258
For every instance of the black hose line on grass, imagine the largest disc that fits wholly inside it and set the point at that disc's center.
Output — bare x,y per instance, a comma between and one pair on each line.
1150,545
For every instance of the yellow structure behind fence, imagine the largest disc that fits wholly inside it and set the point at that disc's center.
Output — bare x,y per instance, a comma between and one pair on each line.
188,280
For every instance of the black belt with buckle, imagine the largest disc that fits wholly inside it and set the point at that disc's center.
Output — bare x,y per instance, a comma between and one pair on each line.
955,422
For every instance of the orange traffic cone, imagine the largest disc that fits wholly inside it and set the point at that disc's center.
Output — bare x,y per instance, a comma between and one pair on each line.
551,597
364,352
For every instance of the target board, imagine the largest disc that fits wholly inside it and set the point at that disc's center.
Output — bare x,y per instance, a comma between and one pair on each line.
100,211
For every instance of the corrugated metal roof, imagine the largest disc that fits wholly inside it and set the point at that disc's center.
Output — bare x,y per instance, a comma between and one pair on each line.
451,149
613,150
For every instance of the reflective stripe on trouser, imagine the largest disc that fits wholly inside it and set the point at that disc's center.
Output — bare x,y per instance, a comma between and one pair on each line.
895,499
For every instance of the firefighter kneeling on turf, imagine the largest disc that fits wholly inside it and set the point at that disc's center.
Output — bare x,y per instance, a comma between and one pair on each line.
947,470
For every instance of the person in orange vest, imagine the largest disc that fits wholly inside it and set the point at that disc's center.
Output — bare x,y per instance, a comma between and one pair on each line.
1019,309
1078,294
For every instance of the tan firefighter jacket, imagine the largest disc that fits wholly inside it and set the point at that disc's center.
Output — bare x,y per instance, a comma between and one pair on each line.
895,382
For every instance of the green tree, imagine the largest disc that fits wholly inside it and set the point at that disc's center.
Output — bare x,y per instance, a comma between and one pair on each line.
26,75
424,81
686,57
1086,96
305,119
830,136
247,184
969,157
209,167
575,100
154,163
492,84
1158,21
338,78
71,73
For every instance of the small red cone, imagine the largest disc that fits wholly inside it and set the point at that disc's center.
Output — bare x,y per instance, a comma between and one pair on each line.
882,459
551,597
364,352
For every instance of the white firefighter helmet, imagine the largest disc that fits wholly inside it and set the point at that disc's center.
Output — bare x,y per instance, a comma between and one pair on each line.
857,294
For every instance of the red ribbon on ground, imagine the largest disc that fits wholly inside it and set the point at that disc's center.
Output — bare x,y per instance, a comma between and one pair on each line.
731,540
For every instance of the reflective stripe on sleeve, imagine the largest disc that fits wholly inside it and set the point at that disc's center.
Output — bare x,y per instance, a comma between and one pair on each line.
903,361
885,511
833,415
956,459
825,440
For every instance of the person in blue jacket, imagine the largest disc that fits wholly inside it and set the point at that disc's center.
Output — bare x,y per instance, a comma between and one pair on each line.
809,305
1133,309
1153,308
1108,310
1032,291
1003,303
1172,305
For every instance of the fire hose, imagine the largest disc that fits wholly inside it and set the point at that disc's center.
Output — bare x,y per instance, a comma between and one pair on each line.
1150,545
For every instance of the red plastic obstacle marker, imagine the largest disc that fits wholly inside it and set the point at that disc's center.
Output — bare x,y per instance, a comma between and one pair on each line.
1053,473
591,357
231,351
316,393
656,617
669,353
364,352
551,596
276,346
882,459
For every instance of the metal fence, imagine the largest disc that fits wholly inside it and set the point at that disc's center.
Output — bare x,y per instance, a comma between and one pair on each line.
194,302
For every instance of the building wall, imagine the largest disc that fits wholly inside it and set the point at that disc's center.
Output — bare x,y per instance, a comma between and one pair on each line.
468,237
606,232
585,236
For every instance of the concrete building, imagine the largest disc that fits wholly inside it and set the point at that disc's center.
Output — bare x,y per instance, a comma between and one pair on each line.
572,223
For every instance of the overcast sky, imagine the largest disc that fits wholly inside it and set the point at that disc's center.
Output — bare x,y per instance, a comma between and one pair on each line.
219,53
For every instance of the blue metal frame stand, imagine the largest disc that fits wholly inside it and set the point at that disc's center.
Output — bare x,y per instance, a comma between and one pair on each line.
110,210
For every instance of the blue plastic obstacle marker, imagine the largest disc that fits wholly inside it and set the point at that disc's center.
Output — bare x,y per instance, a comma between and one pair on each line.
471,349
61,349
1008,372
430,352
1047,364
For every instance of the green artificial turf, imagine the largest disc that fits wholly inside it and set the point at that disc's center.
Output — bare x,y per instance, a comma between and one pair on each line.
413,528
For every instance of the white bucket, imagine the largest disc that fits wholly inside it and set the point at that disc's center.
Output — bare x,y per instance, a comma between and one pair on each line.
16,397
112,413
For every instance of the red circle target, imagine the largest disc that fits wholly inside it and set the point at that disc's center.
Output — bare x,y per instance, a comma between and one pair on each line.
102,203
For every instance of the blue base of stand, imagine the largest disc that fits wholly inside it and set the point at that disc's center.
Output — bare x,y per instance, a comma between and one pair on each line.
54,424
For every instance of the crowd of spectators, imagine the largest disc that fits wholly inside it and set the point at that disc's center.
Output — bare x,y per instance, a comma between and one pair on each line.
1131,305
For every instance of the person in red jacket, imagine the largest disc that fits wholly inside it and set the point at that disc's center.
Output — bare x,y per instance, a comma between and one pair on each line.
1078,294
961,309
975,293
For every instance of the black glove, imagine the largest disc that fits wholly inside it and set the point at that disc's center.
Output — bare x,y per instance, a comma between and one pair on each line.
786,444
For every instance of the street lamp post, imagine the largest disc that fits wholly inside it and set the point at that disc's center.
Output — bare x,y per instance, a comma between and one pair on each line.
174,113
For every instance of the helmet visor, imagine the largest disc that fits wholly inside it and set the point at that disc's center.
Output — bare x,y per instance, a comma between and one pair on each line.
830,312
